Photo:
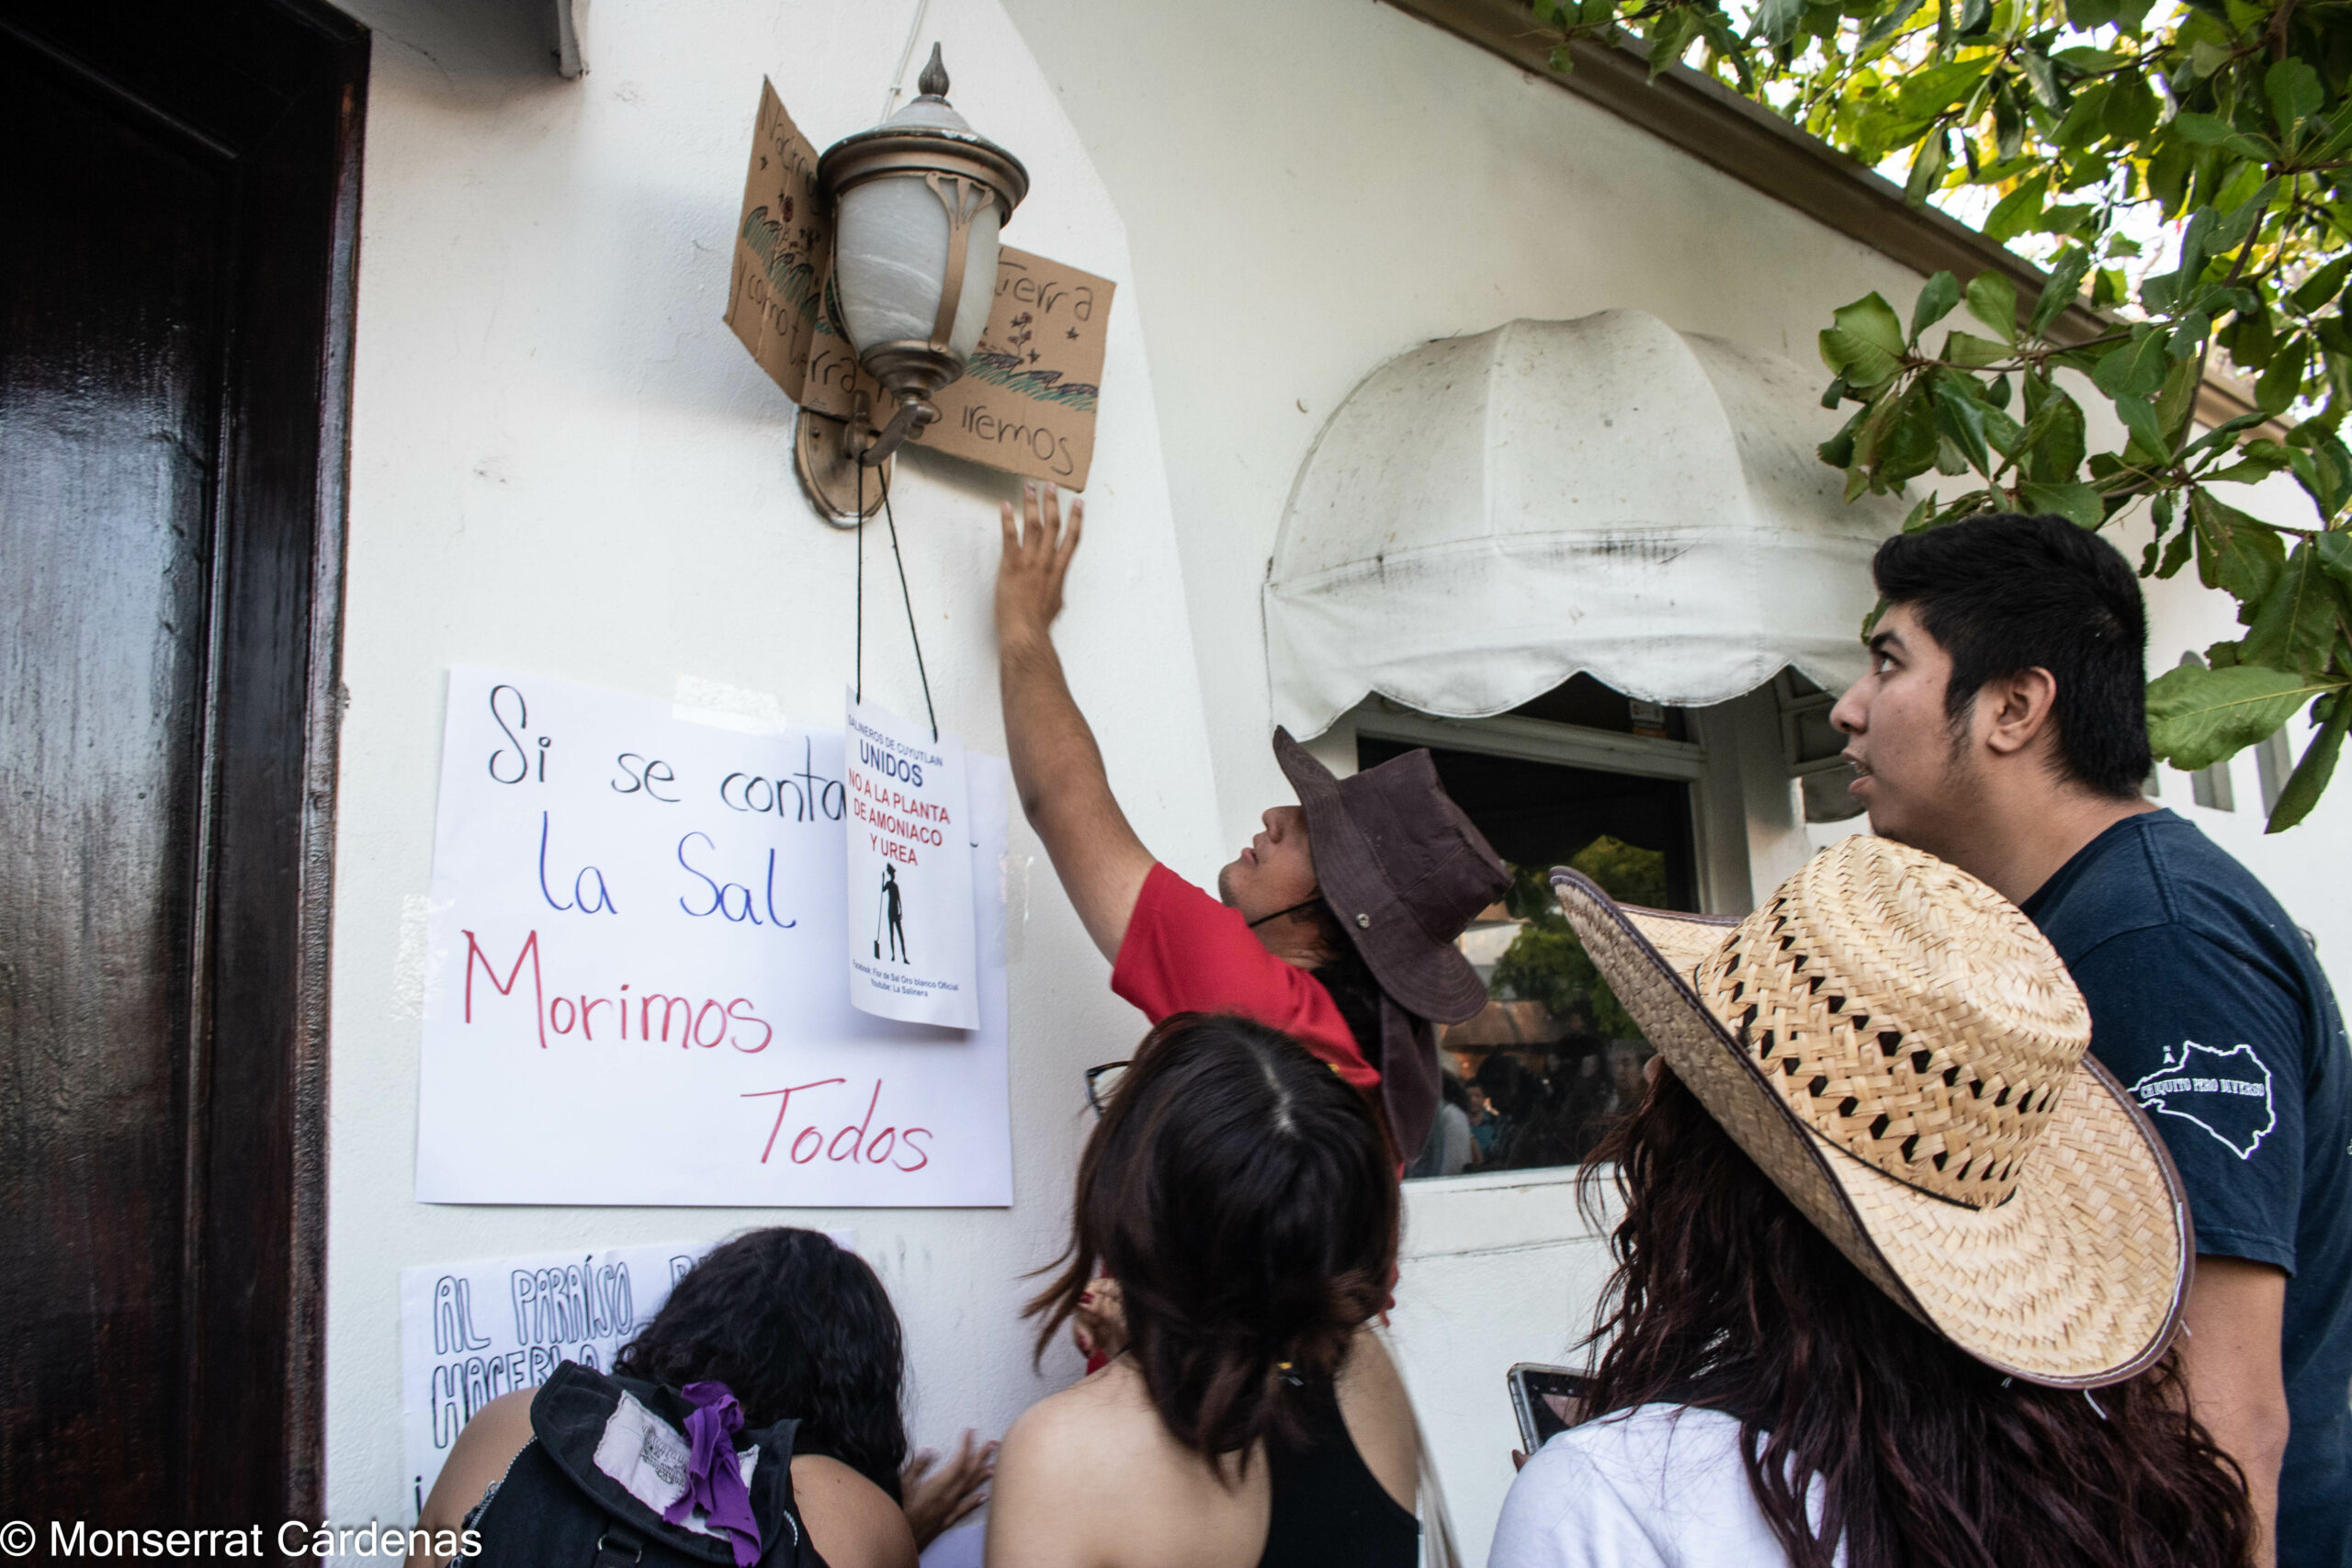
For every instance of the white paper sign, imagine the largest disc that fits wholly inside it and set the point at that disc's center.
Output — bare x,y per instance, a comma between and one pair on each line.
909,879
634,989
471,1332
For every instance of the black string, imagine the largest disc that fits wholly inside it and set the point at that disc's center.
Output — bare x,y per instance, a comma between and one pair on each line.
1312,898
913,635
860,641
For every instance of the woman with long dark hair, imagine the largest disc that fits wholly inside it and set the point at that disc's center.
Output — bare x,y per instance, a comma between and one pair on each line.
1243,1199
778,1344
1899,1268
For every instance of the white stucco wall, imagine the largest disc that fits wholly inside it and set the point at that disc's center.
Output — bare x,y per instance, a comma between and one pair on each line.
563,463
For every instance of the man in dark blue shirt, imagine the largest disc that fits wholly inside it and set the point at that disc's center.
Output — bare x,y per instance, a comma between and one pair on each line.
2002,727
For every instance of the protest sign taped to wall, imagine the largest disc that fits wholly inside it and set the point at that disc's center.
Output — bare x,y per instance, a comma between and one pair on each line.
471,1332
634,988
910,877
1026,401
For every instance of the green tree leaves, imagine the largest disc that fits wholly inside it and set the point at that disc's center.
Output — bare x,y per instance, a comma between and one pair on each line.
2296,97
2197,716
1935,303
1865,347
2298,622
2229,119
1993,300
2135,369
2310,778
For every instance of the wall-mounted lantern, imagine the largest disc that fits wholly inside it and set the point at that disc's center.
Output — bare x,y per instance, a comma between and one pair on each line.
918,203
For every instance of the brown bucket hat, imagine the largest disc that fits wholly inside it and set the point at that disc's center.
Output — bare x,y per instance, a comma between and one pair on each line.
1903,1055
1405,871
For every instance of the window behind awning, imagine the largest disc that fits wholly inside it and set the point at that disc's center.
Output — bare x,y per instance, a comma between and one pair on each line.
1485,516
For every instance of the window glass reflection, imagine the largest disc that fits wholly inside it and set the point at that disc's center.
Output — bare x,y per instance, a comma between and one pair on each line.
1540,1075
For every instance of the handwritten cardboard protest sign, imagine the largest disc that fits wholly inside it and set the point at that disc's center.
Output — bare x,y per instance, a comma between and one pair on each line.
1026,401
634,984
783,249
471,1332
909,875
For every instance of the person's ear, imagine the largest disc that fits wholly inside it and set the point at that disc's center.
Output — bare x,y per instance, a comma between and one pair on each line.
2014,711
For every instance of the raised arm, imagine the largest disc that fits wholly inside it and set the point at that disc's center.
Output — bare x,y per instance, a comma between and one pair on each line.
1056,767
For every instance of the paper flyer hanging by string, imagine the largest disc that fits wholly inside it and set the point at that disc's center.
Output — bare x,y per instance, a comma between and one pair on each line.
910,933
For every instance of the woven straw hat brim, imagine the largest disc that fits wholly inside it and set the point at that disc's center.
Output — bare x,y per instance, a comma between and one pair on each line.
2076,1281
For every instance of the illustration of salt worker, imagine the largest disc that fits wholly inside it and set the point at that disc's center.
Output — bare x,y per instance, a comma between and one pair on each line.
890,910
1336,924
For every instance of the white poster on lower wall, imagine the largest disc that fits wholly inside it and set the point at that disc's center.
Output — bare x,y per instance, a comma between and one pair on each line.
634,986
471,1332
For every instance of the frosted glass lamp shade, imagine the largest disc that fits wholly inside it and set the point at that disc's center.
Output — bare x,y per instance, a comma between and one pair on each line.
918,204
892,262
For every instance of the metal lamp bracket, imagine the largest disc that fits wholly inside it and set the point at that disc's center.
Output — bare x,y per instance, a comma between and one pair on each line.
829,455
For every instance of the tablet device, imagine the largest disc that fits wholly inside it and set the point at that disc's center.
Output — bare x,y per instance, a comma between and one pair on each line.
1547,1400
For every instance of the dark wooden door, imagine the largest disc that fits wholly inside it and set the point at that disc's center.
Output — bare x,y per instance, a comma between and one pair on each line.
177,205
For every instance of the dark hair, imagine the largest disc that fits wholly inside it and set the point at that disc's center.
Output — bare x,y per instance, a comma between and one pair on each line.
796,1327
1246,1202
2003,593
1343,972
1508,1084
1728,1298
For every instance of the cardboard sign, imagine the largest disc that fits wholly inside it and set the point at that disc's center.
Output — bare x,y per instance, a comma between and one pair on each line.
634,989
1026,401
909,875
783,249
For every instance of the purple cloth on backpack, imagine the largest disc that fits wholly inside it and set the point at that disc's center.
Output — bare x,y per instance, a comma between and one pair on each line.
714,1479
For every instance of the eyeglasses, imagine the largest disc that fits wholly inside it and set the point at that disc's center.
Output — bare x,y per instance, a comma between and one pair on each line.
1101,1081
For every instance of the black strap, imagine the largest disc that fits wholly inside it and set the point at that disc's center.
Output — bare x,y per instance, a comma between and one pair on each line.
915,636
619,1547
858,678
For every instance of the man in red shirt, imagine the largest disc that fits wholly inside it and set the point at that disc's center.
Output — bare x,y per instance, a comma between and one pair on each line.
1337,923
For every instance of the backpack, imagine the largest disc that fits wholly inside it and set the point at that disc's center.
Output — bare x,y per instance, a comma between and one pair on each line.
607,1455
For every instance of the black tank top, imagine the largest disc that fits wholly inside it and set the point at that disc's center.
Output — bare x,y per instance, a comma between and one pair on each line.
1328,1506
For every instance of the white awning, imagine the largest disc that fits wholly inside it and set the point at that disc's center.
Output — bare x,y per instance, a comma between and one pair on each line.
1485,516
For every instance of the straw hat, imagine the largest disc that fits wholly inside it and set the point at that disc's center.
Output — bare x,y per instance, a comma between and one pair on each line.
1903,1053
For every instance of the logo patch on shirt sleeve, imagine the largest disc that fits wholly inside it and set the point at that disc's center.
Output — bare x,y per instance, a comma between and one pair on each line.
2226,1093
